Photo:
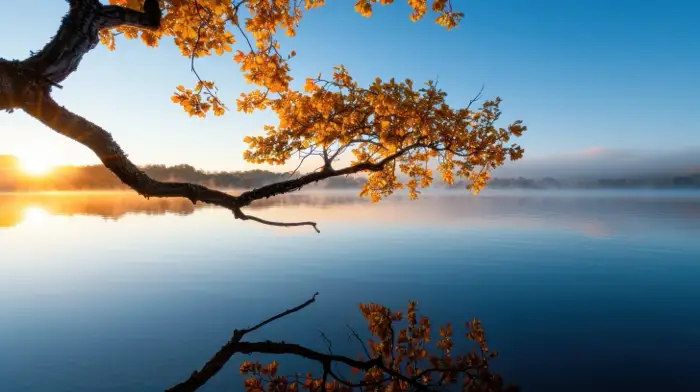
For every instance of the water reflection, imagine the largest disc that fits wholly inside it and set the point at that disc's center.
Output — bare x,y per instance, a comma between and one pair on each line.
135,305
14,207
596,214
34,214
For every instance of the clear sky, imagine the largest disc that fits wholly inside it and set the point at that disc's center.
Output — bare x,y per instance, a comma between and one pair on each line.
582,74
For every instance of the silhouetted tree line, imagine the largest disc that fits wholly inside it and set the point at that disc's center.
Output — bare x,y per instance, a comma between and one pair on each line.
95,177
656,182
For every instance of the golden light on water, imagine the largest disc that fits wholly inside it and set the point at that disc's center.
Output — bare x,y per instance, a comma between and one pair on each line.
34,214
332,210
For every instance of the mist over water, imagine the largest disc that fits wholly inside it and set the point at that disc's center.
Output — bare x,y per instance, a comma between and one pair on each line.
577,290
604,162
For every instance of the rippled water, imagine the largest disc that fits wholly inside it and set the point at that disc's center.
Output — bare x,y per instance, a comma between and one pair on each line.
578,291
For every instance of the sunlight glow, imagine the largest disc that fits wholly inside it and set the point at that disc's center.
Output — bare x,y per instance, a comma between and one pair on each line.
34,214
35,165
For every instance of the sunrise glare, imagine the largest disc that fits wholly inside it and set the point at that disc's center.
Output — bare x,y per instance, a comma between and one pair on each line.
35,165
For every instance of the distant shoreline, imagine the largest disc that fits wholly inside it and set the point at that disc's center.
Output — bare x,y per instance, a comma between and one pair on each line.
97,178
399,193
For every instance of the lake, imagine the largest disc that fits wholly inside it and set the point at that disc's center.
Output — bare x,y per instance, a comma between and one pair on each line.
578,291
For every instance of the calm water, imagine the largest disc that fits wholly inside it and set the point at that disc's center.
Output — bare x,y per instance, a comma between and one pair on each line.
579,292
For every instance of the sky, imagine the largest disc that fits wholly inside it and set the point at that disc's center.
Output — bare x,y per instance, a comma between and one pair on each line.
585,76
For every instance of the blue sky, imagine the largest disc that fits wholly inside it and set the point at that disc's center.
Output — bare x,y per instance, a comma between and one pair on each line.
594,74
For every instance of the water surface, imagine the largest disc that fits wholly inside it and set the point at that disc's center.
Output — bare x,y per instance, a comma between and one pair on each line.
577,291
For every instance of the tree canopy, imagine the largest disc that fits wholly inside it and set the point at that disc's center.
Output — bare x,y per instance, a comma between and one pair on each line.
398,133
391,127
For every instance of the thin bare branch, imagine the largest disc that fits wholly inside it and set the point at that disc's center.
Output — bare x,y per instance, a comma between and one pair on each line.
194,55
334,372
477,97
240,215
243,33
329,344
217,362
354,334
301,161
280,315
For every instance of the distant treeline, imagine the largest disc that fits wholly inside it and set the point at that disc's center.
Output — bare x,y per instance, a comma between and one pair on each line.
655,182
97,177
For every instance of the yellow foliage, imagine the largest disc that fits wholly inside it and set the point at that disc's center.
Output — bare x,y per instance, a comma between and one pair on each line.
390,127
407,360
388,121
205,27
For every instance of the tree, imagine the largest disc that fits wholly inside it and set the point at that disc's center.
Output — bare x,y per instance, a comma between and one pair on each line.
390,127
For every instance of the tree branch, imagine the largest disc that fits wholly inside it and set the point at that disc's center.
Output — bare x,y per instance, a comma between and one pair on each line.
390,371
217,362
43,107
63,121
282,187
302,159
268,347
476,97
354,334
280,315
78,34
240,215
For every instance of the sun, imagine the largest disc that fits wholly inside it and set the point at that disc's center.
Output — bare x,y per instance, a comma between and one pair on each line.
35,165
